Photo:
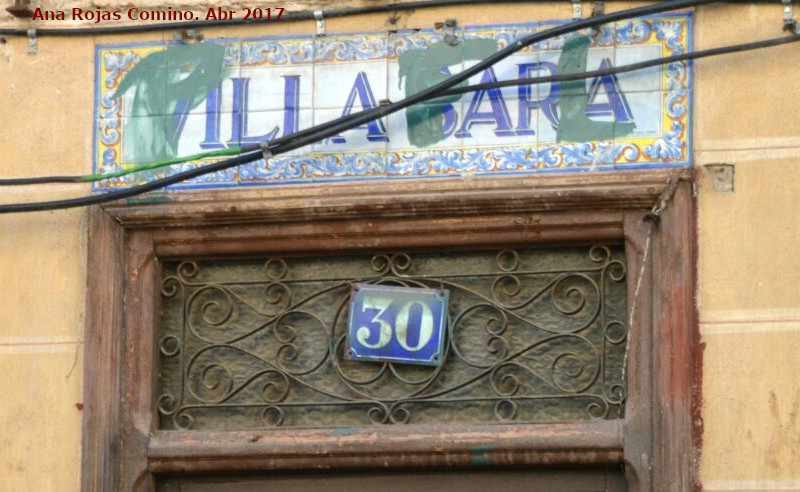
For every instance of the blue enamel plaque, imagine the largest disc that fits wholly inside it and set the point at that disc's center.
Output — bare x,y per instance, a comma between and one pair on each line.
397,324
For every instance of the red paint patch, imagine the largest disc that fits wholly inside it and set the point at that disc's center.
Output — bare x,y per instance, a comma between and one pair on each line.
698,348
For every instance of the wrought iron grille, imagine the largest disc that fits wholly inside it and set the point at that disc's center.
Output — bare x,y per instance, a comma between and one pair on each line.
535,335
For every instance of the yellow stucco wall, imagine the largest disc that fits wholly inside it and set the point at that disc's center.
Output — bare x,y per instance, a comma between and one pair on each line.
749,294
747,113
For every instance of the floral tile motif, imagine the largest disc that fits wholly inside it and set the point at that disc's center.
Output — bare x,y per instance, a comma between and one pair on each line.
160,100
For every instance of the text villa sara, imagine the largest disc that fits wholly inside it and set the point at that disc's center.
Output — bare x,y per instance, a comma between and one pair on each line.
157,101
489,108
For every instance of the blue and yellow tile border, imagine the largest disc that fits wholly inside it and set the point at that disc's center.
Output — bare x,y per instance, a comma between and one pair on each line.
673,32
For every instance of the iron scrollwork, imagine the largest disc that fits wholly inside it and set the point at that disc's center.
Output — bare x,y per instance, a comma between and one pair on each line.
533,335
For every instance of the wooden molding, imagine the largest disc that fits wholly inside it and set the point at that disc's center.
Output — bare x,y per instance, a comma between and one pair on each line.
102,365
122,451
399,198
590,443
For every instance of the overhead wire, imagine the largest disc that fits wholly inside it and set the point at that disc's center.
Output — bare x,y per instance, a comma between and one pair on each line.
305,137
204,24
88,178
286,17
693,55
339,125
235,150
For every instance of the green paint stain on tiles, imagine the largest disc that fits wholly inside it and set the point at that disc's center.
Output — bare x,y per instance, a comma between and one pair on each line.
426,68
574,125
167,85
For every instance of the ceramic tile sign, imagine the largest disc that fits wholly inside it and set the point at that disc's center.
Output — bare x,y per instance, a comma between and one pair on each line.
397,324
156,101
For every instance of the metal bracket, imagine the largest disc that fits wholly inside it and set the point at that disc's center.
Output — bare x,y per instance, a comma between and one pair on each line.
320,22
577,9
721,177
266,152
449,31
789,22
662,201
33,41
598,9
21,9
188,35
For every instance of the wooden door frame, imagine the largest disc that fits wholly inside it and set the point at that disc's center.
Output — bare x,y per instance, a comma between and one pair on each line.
656,440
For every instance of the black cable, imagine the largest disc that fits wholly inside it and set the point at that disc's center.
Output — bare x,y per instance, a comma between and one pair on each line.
39,180
341,124
116,195
337,126
371,113
274,143
767,43
289,16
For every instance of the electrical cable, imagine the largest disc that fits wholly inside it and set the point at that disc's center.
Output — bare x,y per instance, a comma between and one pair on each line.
724,50
88,178
434,91
426,94
339,125
288,17
156,165
459,90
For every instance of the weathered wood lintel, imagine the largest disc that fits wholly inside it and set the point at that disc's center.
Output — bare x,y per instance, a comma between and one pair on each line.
122,451
397,198
597,442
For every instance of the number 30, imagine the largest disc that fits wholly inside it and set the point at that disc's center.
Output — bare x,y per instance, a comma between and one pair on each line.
400,324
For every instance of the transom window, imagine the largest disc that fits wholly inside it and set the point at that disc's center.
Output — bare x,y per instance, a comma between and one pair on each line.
533,335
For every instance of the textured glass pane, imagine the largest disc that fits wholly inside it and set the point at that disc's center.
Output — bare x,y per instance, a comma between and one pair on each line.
535,335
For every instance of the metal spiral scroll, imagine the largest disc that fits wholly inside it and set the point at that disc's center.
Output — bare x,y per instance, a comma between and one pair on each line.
524,343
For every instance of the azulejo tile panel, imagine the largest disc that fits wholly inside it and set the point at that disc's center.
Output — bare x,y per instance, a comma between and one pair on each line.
156,101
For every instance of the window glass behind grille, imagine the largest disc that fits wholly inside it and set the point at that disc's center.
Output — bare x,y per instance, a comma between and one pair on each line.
533,335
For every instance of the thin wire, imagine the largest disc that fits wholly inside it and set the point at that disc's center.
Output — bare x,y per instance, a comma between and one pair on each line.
429,93
156,165
338,126
343,122
724,50
460,90
287,17
84,178
202,24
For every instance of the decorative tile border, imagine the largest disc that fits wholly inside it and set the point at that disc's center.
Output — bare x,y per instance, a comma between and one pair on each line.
660,100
